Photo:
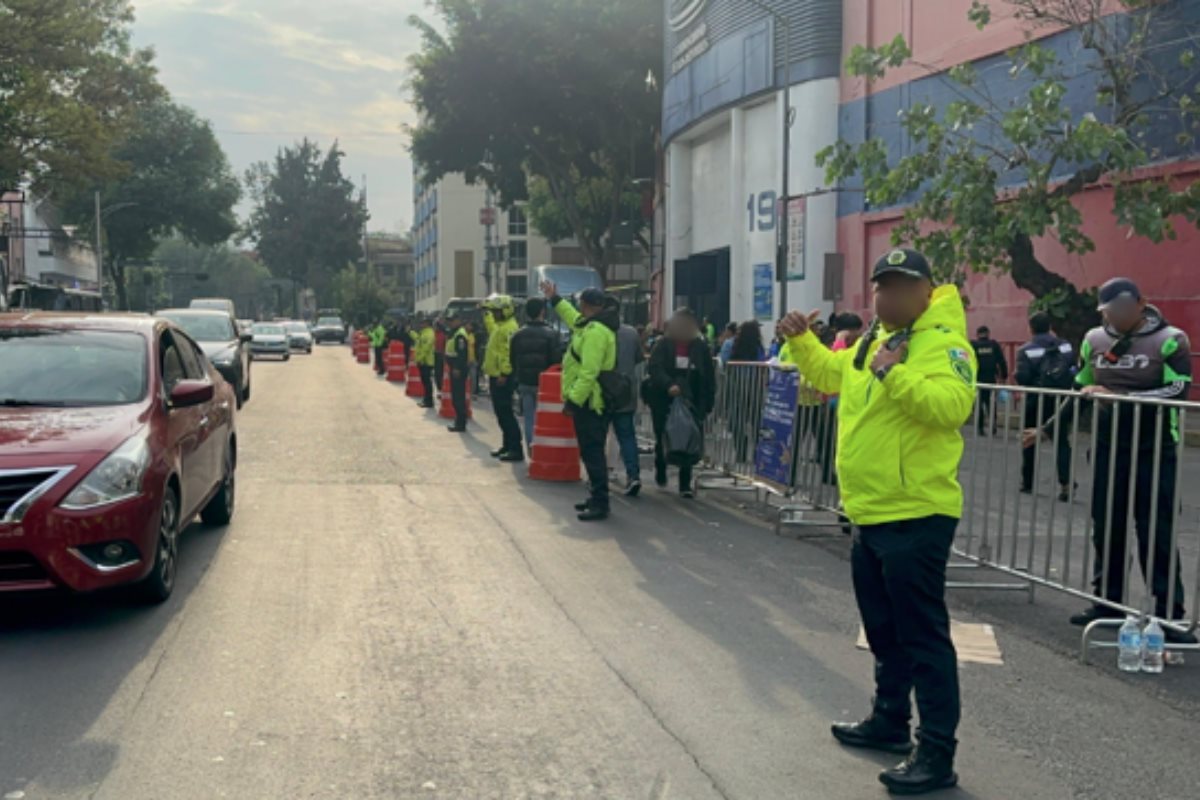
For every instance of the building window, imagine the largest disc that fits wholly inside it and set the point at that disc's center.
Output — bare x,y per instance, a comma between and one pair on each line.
517,285
518,255
517,225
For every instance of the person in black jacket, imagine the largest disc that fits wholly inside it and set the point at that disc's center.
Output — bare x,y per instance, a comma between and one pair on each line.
533,350
1046,362
680,365
993,368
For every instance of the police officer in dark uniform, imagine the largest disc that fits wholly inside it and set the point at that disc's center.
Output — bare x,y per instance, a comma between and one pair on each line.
993,368
457,355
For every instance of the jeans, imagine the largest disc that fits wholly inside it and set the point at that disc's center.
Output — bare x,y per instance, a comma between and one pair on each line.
529,397
899,571
426,384
591,429
502,404
623,429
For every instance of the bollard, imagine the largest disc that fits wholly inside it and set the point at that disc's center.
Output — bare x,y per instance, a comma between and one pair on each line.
414,388
363,350
446,409
396,366
555,452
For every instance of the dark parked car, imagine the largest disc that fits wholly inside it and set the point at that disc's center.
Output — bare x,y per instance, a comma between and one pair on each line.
225,345
115,431
329,329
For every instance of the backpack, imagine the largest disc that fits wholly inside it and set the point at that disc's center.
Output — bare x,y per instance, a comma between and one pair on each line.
616,388
1056,369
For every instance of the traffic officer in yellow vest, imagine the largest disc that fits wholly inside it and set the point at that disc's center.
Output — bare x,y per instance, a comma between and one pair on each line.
499,315
905,393
422,339
458,362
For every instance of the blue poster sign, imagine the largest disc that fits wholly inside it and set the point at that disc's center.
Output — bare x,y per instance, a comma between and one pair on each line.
764,292
774,453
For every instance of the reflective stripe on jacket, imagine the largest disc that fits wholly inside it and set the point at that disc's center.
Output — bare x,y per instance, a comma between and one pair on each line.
900,440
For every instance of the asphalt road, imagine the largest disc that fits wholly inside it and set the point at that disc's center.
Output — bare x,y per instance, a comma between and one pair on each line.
393,614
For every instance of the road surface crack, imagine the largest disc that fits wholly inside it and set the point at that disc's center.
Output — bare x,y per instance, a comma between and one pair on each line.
620,676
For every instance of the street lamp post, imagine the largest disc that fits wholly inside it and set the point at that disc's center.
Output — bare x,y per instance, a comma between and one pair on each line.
100,217
782,243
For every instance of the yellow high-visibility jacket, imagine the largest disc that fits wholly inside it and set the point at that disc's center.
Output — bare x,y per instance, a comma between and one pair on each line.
900,440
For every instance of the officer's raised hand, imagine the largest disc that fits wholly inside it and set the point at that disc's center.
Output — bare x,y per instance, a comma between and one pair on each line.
796,323
549,289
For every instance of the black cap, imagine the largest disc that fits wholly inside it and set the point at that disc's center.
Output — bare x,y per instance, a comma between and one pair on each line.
902,262
592,297
1117,289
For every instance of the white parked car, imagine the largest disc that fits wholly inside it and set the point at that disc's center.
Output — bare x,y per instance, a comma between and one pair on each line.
269,339
299,336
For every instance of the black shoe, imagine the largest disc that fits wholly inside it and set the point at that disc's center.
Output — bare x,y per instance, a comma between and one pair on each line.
426,405
687,494
1093,613
456,429
1173,636
592,514
633,487
1026,490
584,506
660,477
928,769
512,457
875,733
1064,494
498,453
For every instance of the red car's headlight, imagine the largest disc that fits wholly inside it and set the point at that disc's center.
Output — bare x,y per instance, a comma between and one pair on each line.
117,477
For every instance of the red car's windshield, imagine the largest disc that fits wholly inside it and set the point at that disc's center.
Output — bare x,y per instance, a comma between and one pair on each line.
40,367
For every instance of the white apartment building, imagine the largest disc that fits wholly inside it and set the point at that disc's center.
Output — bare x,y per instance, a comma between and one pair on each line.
449,244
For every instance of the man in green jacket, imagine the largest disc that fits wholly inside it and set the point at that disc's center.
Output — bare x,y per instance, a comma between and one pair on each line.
592,350
379,337
499,315
904,393
423,343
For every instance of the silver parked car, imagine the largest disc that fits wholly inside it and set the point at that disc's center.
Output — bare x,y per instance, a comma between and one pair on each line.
299,336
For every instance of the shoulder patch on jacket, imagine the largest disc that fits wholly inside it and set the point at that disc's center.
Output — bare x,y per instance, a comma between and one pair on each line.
960,362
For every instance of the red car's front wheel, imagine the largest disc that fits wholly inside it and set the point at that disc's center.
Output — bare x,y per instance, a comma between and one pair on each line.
158,585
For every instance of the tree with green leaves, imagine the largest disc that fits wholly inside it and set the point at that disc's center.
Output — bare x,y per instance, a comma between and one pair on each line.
546,100
988,176
174,181
70,83
217,270
361,298
307,218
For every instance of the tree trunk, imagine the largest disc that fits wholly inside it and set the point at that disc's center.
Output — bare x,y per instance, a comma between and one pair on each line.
1074,313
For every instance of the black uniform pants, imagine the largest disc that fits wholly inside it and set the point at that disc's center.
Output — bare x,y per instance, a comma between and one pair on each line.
502,404
591,431
379,367
1110,583
899,571
458,395
1062,459
658,418
985,418
427,384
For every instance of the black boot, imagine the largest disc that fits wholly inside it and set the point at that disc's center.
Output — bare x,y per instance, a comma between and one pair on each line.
512,456
584,506
498,453
928,769
592,514
876,732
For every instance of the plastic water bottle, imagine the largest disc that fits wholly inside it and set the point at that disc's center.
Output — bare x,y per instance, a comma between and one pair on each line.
1129,646
1153,646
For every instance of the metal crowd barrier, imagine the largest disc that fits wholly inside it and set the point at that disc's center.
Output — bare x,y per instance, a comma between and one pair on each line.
1110,475
1121,485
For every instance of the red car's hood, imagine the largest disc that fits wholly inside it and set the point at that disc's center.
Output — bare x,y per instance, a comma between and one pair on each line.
28,432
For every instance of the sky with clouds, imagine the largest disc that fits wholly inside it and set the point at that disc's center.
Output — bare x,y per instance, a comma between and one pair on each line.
266,73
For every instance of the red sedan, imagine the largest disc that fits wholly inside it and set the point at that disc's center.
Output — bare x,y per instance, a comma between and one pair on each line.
115,431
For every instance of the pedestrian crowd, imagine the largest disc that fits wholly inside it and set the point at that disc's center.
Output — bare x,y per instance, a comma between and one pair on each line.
897,393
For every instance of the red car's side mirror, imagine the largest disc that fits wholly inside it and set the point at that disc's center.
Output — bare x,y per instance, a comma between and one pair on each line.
191,393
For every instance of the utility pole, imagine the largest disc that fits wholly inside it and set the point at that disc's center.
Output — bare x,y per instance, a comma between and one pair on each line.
99,251
782,253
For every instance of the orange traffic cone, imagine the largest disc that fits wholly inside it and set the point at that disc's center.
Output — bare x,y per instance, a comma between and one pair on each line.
446,410
415,387
395,363
555,452
364,349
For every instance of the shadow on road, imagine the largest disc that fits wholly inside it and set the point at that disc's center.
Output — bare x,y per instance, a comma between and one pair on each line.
63,657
